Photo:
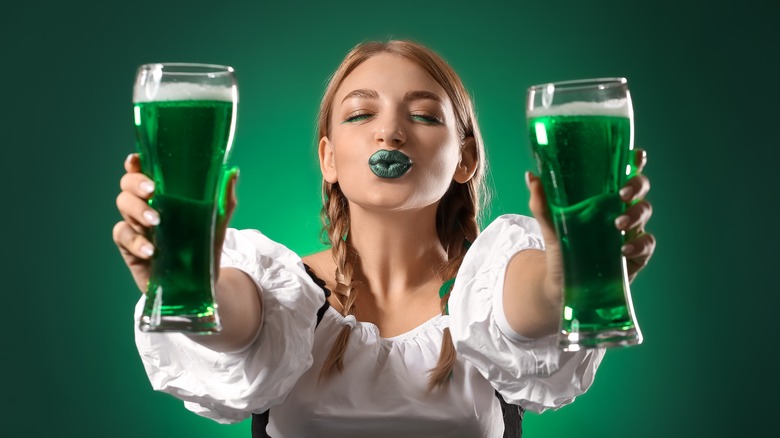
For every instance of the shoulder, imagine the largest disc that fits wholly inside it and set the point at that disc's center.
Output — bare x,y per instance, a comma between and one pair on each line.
322,265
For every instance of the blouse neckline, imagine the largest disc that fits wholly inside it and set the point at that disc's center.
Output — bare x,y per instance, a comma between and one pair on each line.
371,327
433,323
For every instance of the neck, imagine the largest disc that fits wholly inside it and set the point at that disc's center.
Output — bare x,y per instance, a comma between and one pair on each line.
398,251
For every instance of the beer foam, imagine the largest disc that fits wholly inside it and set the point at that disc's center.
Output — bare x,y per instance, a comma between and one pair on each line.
181,91
612,107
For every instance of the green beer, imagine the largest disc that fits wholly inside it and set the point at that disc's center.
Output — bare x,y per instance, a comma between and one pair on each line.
183,137
583,152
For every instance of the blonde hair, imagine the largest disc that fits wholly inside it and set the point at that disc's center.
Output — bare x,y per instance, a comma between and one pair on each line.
457,214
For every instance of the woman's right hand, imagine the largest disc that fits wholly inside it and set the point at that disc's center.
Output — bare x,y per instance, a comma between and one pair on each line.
130,234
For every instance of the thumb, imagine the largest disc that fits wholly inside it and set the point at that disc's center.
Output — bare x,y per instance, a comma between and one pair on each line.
228,199
538,204
227,204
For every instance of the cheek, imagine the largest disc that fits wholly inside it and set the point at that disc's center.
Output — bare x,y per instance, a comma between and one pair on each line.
343,150
441,170
347,160
351,168
446,158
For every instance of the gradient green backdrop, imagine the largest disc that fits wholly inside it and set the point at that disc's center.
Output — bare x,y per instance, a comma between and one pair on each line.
703,79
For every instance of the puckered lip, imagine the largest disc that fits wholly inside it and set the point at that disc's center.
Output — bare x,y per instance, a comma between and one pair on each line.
389,164
385,156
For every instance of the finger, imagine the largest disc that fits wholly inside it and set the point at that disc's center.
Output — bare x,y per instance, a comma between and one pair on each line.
538,202
640,159
230,198
229,203
138,184
131,244
136,211
638,253
642,246
635,188
635,217
133,163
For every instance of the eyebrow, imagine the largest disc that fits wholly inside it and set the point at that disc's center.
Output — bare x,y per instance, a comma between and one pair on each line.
422,95
363,93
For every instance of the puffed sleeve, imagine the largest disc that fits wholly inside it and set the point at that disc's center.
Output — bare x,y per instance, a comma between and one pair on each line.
535,374
229,387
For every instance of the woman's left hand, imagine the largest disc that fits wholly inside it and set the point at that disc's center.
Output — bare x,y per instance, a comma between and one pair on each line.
638,246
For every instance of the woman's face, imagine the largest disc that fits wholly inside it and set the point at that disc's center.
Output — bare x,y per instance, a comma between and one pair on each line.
389,103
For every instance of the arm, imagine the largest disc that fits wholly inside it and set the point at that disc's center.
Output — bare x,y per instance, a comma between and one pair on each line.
240,312
263,349
238,300
242,369
532,302
533,373
532,295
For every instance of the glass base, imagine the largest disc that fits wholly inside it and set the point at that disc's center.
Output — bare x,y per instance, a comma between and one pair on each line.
201,325
575,341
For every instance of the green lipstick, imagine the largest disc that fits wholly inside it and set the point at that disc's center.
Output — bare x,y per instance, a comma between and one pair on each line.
389,164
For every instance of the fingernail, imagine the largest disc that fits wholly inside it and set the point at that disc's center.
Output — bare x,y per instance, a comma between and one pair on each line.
152,217
129,157
627,249
626,193
621,221
528,179
147,250
147,186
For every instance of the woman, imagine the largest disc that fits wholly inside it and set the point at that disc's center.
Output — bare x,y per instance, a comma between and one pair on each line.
393,352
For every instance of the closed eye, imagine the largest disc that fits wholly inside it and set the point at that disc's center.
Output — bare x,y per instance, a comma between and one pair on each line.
426,118
357,117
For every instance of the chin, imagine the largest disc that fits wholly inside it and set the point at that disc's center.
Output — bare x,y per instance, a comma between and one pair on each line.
395,195
386,203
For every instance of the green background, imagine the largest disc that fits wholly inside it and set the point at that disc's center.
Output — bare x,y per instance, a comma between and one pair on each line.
704,83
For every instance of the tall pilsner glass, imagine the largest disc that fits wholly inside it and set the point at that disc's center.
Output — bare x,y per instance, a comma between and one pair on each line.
582,138
185,117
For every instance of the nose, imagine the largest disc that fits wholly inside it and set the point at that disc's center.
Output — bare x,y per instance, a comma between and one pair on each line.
390,133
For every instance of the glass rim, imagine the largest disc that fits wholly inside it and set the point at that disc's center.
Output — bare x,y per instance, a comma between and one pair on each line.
581,84
188,68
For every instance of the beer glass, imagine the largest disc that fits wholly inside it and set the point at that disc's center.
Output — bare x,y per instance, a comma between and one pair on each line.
582,139
185,117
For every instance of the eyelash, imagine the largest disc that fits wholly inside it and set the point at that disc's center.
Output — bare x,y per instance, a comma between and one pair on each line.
359,117
431,120
424,118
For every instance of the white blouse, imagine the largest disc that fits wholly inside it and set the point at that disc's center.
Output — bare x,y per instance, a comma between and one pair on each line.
382,391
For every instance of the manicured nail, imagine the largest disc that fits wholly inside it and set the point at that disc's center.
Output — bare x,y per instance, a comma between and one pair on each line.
627,249
621,221
147,250
129,157
528,179
152,217
147,186
626,193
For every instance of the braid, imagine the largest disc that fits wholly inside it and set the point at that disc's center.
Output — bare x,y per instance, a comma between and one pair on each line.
335,215
457,224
